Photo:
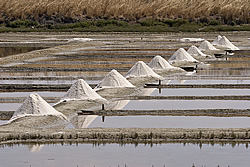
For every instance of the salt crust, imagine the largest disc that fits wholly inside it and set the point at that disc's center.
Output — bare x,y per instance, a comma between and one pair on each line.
35,105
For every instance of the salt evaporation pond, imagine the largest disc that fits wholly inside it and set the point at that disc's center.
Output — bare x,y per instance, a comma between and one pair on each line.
197,92
25,94
139,155
186,104
170,122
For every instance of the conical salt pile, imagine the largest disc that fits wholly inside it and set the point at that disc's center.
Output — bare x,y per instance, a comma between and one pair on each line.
224,42
158,63
215,42
34,105
182,57
196,53
114,80
140,69
80,90
207,46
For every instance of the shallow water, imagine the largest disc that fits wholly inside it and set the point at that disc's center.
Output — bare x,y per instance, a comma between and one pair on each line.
170,122
185,104
26,94
114,155
197,92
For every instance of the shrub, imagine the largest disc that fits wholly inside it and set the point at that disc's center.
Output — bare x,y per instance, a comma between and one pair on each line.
21,23
214,23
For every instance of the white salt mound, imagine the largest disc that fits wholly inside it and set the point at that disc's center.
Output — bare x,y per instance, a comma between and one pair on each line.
215,42
196,53
224,42
79,40
140,70
181,56
192,39
159,63
207,46
114,80
35,105
80,90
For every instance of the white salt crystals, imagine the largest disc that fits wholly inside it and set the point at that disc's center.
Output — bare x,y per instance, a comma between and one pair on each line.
225,43
160,65
197,54
35,105
141,70
216,40
207,47
80,90
182,58
114,80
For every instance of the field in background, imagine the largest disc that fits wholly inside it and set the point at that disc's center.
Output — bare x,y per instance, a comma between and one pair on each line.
70,11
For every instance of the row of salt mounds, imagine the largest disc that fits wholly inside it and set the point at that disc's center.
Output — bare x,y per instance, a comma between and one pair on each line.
80,90
161,66
223,42
35,105
114,80
141,73
182,58
197,53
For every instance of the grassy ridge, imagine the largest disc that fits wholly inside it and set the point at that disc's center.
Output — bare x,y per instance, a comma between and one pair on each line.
68,11
148,25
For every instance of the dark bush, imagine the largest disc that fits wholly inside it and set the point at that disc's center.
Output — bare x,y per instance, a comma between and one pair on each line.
214,23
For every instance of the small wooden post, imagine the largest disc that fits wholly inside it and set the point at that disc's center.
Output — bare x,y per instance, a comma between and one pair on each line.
103,118
159,82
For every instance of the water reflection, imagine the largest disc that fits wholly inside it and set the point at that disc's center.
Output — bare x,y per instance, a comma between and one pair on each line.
170,122
136,154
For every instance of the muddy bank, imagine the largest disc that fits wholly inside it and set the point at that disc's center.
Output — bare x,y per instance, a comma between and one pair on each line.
198,112
11,134
6,115
65,87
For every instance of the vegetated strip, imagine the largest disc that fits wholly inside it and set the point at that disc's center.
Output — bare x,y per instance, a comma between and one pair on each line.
214,86
195,112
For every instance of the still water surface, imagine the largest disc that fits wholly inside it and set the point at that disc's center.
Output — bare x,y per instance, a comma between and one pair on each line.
114,155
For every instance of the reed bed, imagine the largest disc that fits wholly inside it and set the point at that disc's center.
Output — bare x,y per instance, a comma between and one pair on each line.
128,10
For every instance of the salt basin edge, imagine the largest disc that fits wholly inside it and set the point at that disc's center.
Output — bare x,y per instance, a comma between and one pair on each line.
11,134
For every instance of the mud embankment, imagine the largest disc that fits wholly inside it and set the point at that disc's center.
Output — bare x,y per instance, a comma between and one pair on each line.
126,135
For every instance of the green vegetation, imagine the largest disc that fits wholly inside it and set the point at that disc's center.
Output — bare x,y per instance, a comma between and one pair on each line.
147,25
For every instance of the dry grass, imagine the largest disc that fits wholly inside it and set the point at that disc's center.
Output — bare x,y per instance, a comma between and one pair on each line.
130,10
